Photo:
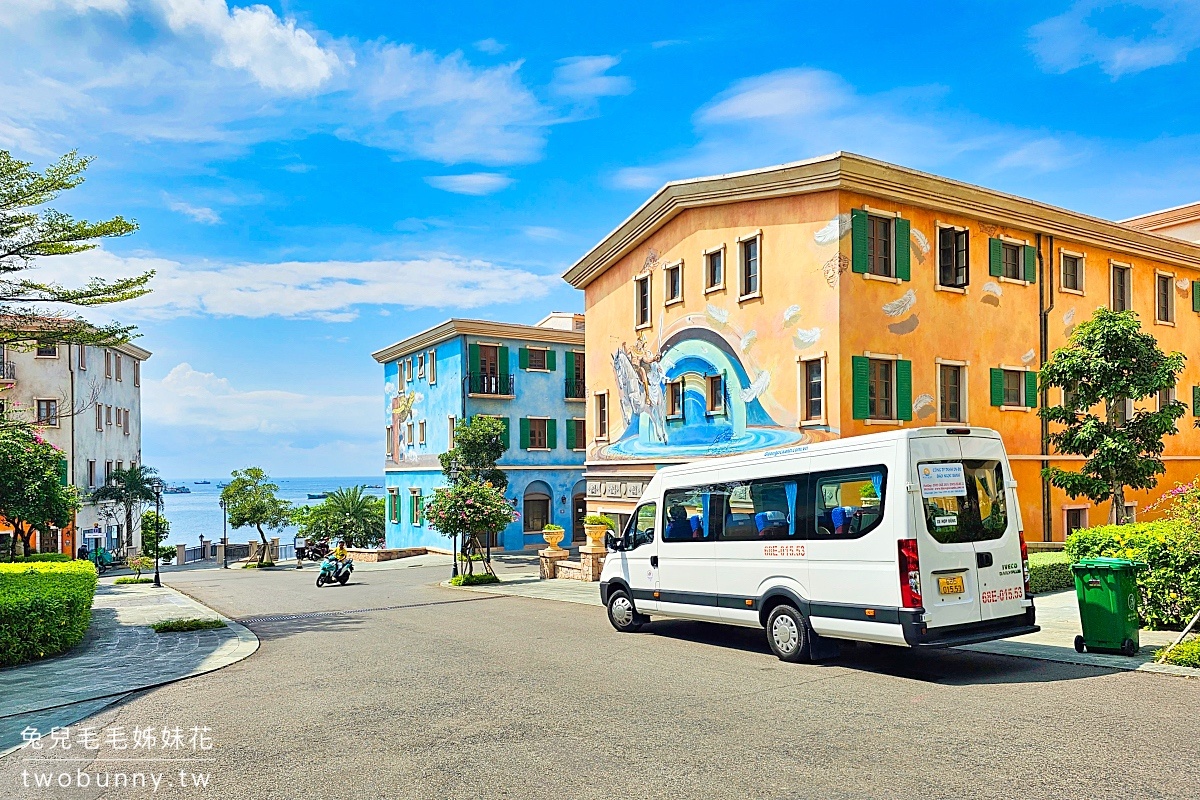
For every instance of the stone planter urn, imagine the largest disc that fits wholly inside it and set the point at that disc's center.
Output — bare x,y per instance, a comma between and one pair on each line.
553,534
595,534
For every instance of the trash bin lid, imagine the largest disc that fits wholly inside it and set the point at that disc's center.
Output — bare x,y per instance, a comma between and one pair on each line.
1104,562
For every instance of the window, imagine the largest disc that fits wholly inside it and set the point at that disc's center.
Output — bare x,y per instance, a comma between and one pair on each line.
408,369
693,515
120,466
1122,410
601,415
977,515
951,390
754,510
1165,397
117,416
1164,298
108,415
393,505
118,365
675,399
432,362
125,418
421,366
421,432
849,503
1130,513
1011,261
1121,290
137,373
91,472
576,433
387,445
83,357
715,401
450,432
416,506
537,511
1071,396
47,413
640,529
879,246
1076,519
814,390
714,269
409,430
750,267
674,282
953,255
538,435
641,301
1072,272
1014,388
537,359
108,468
47,351
99,417
108,363
879,389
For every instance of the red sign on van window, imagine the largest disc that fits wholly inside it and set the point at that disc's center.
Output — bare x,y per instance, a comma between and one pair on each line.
783,550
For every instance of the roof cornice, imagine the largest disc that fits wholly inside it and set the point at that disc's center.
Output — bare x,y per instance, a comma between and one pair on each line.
855,173
475,327
133,351
1165,218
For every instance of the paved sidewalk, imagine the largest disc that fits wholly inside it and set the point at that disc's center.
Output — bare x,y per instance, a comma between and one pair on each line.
119,655
1058,614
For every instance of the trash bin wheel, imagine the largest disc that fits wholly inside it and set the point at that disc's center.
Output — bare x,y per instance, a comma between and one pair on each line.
1128,647
1079,646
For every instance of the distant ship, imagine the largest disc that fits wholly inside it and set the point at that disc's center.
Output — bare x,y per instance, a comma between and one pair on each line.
201,483
317,495
176,490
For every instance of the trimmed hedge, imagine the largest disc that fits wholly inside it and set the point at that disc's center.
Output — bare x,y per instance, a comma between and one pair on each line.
45,608
37,557
474,579
1170,587
1050,572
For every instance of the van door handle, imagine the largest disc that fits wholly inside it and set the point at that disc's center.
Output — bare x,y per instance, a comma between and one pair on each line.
983,560
654,561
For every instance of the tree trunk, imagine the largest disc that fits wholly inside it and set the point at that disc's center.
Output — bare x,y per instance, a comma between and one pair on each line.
264,552
1116,514
129,525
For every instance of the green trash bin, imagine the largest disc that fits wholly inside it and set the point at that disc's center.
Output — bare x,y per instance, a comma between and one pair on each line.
1108,605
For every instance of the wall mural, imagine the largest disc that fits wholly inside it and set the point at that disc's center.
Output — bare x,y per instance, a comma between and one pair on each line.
400,411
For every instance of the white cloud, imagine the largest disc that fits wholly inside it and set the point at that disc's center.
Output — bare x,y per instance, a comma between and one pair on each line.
475,183
200,214
542,233
1120,37
330,291
583,78
490,46
198,401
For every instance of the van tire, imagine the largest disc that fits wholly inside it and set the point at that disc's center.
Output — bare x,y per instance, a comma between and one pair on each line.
621,613
788,634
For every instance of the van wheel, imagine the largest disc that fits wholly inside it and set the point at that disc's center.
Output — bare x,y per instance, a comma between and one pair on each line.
787,634
622,614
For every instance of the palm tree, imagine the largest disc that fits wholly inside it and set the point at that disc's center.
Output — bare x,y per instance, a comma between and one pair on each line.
130,488
357,515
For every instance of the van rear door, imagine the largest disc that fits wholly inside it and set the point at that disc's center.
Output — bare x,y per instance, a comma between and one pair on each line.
949,585
998,550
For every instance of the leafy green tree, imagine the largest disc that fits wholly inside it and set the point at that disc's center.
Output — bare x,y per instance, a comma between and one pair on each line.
33,494
1108,362
478,445
350,515
251,501
132,489
469,509
155,528
29,231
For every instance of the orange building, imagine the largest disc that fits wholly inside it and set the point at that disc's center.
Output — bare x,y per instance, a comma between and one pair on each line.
842,295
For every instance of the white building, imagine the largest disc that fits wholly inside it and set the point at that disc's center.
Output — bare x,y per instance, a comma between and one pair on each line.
88,402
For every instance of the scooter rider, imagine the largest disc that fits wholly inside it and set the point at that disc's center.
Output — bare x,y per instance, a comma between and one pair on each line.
339,554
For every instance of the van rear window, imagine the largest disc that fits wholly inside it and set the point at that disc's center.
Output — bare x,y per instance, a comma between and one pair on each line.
963,500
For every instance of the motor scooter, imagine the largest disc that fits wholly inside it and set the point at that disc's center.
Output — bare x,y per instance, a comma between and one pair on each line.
331,571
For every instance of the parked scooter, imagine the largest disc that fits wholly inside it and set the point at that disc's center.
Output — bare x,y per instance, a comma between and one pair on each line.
332,571
103,560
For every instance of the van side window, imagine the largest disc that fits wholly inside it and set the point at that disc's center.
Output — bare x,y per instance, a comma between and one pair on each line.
693,515
849,503
641,526
760,510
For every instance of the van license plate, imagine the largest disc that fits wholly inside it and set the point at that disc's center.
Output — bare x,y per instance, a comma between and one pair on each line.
951,585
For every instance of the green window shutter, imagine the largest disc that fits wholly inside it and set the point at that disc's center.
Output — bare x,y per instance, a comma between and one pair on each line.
63,470
904,390
523,358
903,249
506,437
1031,389
995,257
1196,296
1031,263
473,359
997,387
552,434
570,365
858,240
860,367
570,434
551,360
412,508
524,433
1196,401
503,360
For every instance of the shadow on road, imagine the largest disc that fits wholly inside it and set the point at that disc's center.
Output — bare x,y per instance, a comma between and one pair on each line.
949,667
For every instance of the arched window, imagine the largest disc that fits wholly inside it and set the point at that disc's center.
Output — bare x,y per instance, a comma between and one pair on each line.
536,511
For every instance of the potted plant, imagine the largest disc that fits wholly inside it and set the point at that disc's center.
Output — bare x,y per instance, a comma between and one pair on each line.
595,526
553,534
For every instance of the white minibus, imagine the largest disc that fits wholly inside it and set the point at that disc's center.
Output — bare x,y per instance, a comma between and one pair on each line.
911,537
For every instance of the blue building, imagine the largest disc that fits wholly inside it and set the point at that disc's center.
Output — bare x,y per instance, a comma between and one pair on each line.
529,376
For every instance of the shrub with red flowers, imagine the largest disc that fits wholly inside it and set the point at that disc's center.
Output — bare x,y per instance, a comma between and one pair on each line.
471,510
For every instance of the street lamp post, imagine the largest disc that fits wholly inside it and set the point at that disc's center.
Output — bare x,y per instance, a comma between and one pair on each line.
224,535
453,483
157,485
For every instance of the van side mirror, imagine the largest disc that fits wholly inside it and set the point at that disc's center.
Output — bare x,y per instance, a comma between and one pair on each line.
610,541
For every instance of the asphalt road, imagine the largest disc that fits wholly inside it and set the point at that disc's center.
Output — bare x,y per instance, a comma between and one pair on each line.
450,694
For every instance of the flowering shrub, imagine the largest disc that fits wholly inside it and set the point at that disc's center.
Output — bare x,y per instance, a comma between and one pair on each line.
1181,503
469,508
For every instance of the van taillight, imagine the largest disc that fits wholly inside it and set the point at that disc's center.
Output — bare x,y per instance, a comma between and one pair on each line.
910,574
1025,563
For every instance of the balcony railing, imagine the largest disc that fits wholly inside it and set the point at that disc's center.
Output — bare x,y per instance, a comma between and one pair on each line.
576,389
8,371
499,385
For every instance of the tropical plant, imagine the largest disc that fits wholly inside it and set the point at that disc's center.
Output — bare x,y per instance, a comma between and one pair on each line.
1108,363
31,312
34,495
132,489
478,444
600,519
471,510
351,515
155,528
251,501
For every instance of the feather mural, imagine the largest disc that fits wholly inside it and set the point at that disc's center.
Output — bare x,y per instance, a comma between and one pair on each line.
806,337
756,388
833,230
748,341
1069,317
923,405
992,288
791,315
902,305
920,245
834,267
1029,356
717,314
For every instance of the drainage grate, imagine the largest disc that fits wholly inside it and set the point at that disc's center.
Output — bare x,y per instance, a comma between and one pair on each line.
319,614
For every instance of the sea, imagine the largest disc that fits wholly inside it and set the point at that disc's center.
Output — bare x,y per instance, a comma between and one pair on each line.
199,513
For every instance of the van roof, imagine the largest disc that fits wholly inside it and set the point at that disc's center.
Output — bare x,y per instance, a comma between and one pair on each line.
817,448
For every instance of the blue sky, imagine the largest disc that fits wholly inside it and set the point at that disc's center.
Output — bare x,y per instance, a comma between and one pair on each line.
316,180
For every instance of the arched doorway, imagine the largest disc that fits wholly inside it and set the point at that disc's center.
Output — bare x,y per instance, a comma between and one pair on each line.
578,510
536,507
